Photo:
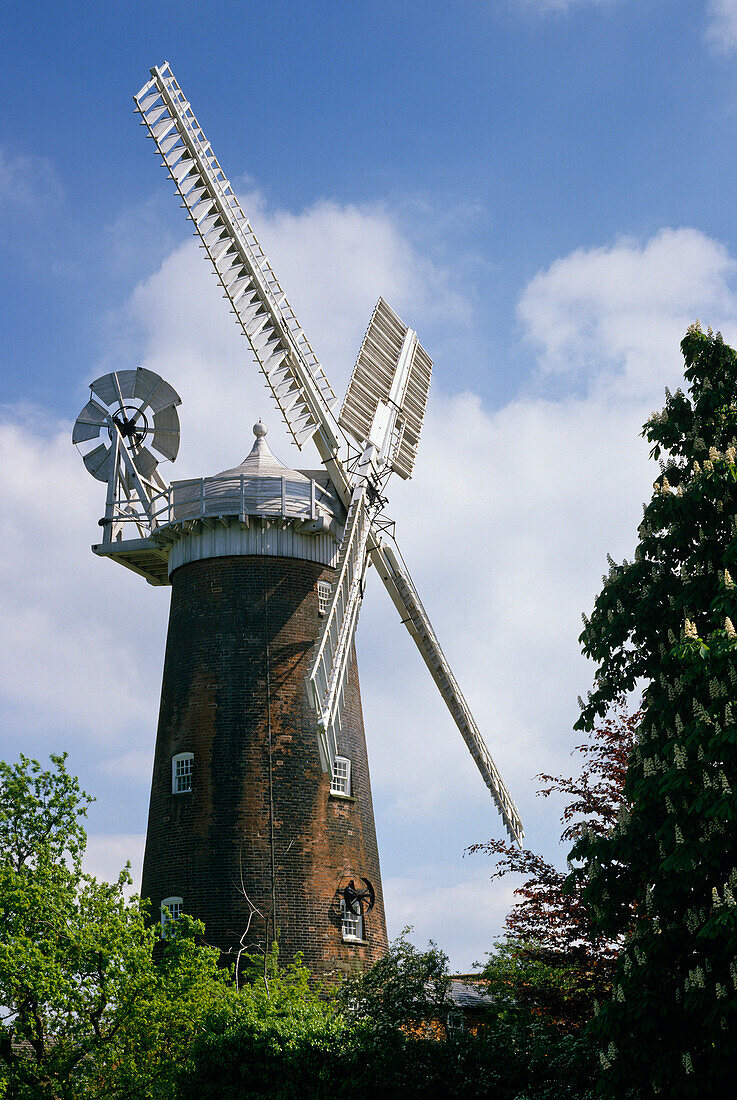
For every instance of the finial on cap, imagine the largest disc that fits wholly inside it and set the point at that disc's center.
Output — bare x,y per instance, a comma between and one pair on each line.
259,430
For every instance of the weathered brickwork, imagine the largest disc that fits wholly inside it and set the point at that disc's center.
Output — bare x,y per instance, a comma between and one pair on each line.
235,624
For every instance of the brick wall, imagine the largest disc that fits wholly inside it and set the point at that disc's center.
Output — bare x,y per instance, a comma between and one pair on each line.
209,846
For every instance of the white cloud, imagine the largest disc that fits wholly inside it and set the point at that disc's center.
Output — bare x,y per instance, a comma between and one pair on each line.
108,853
73,665
136,765
469,913
721,29
505,527
615,315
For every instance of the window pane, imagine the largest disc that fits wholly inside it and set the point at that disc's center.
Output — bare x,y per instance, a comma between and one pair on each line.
171,910
351,923
341,779
182,771
323,596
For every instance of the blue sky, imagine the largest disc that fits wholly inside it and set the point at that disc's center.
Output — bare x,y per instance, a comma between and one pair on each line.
543,188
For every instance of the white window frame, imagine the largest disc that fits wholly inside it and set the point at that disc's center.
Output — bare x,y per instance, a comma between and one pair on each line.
351,924
171,910
341,784
175,776
323,597
455,1021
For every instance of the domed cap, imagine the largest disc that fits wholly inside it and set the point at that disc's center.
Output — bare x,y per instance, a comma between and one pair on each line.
260,486
261,462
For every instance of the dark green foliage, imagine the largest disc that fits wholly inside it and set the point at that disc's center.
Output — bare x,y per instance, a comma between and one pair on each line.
405,990
380,1035
664,878
278,1037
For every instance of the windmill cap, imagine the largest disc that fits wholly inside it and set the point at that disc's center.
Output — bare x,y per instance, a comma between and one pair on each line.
259,462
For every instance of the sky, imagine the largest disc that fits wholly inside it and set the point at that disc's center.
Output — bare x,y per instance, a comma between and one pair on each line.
544,189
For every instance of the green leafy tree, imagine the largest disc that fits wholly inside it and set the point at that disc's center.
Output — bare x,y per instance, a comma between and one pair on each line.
87,1009
664,876
405,991
399,1043
279,1036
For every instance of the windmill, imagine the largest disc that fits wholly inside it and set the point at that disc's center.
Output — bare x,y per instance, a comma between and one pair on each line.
277,520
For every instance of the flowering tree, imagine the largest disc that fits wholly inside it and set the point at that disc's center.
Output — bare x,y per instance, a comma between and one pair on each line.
557,961
664,876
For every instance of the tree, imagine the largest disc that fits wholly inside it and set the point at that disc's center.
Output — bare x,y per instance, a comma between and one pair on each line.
399,1042
664,876
87,1011
279,1036
405,991
556,960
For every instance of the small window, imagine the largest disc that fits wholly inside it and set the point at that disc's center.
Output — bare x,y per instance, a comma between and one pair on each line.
455,1021
171,910
323,596
341,781
182,769
351,923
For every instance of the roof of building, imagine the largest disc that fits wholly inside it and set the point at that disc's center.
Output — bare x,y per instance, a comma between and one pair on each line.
261,461
466,992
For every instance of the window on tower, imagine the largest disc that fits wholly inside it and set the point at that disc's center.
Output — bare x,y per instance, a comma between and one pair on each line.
351,923
341,779
323,596
171,910
182,770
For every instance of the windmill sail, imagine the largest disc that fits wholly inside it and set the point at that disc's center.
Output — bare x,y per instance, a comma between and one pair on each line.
405,598
326,678
391,377
293,373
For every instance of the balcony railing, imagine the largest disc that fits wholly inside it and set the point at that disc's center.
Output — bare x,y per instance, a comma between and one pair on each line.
242,496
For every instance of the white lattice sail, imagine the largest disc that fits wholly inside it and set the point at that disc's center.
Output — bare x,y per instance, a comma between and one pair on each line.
283,352
376,382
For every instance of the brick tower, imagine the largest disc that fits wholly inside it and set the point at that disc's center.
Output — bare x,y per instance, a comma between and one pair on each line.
245,830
